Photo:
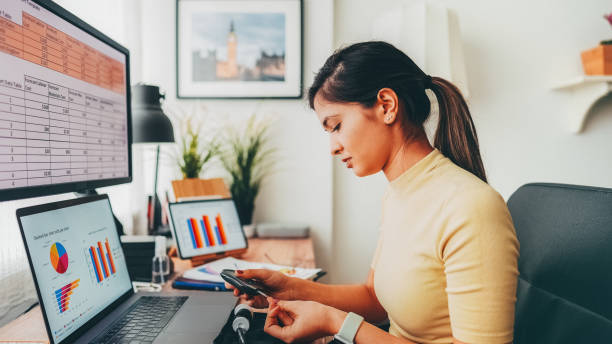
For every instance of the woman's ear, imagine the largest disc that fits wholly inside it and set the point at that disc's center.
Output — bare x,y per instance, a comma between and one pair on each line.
389,103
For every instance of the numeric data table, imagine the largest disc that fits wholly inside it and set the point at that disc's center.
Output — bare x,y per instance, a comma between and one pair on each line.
54,134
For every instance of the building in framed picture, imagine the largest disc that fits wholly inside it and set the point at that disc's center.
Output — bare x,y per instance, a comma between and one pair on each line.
239,49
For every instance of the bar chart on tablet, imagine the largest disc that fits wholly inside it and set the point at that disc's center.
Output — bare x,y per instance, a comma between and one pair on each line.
203,227
205,234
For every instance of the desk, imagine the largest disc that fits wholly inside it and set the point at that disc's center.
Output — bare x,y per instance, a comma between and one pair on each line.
295,252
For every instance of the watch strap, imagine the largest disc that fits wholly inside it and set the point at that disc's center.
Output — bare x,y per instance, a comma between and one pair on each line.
349,328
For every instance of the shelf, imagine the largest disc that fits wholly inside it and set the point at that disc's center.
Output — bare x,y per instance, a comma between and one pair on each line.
585,91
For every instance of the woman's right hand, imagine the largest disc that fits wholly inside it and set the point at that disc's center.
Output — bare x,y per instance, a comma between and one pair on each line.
276,285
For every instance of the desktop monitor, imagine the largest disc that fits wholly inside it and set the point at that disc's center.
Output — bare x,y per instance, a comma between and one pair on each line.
65,117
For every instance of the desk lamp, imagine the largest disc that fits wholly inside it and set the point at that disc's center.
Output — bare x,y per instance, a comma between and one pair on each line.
151,125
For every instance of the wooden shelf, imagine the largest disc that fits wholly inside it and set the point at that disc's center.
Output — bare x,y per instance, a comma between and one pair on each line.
585,91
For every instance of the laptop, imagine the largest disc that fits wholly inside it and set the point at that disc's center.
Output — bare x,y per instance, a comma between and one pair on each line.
84,288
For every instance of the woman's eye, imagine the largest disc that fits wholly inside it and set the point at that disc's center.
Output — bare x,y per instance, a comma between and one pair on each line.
336,128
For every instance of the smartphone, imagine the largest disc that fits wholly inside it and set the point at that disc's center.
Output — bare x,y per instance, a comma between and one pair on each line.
249,287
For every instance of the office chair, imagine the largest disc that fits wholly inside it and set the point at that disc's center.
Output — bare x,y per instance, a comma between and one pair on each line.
564,292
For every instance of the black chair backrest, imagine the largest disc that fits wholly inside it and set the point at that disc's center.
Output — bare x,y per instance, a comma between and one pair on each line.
564,290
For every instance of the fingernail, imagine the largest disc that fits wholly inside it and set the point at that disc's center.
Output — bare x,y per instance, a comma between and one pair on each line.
239,272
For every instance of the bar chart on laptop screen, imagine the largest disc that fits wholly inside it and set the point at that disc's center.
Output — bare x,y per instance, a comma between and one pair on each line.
62,101
102,264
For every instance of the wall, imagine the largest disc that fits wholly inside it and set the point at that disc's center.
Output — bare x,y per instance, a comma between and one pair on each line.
300,188
515,51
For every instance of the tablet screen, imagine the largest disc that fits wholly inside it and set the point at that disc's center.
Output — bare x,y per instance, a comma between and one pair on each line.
206,227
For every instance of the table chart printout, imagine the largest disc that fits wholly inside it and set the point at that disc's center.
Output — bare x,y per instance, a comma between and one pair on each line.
63,102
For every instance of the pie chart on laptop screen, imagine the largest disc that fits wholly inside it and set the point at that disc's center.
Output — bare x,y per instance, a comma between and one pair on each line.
59,258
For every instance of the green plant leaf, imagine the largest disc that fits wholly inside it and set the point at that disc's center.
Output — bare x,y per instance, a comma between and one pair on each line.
247,160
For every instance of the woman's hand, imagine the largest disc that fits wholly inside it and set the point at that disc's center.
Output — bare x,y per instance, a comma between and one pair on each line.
276,284
302,321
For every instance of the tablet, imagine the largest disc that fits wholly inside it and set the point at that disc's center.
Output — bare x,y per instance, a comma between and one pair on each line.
207,228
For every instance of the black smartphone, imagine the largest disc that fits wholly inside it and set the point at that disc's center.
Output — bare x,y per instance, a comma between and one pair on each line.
249,287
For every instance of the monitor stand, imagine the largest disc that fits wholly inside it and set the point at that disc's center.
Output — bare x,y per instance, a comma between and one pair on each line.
91,192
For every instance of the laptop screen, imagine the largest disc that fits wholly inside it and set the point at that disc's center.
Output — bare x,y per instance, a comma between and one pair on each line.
78,263
206,226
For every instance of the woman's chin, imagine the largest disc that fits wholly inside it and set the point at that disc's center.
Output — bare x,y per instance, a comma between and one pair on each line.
361,172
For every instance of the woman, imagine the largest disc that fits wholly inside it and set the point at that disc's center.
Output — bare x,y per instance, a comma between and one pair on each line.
445,266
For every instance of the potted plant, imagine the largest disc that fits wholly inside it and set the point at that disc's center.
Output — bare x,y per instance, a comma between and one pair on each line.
195,153
598,61
192,155
248,159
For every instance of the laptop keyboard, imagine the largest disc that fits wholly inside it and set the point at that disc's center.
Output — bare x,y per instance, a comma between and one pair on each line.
143,321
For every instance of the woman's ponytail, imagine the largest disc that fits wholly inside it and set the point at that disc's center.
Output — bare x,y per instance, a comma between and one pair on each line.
456,135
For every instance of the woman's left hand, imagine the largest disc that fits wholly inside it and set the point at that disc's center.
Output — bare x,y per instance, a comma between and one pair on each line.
301,321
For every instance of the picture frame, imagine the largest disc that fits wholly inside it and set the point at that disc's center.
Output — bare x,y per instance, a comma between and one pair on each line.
239,49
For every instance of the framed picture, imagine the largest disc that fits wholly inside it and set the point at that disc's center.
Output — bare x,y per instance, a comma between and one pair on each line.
239,48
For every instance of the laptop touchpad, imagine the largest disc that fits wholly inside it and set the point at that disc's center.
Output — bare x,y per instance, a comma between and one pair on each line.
204,312
194,318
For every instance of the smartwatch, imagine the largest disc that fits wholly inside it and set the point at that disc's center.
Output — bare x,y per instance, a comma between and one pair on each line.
349,328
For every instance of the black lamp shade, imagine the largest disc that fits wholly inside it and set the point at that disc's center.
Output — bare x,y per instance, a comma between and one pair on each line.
149,124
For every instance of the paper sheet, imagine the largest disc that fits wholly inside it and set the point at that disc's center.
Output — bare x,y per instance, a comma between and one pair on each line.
210,271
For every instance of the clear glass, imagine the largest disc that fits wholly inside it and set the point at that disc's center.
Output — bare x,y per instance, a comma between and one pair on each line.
160,268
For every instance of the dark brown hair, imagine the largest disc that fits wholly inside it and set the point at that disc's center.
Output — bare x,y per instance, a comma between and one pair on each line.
356,73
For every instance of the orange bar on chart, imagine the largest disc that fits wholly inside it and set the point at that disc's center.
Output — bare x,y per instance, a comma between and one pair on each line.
110,256
209,232
96,263
107,273
198,237
221,229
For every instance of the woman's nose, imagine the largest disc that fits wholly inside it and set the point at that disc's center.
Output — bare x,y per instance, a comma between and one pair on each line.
336,147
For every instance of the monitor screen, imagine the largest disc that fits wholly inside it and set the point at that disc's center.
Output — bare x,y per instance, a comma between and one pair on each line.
78,262
64,103
206,227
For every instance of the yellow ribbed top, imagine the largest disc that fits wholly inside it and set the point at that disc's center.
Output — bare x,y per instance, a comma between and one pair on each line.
446,261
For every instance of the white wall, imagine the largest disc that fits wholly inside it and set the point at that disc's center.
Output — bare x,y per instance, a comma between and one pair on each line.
300,190
515,51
